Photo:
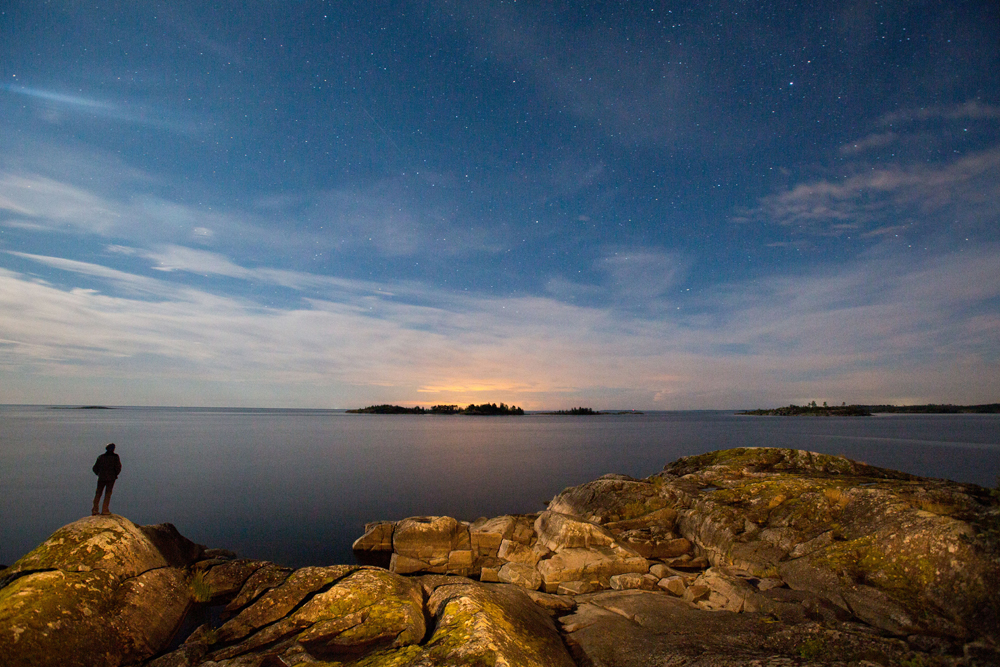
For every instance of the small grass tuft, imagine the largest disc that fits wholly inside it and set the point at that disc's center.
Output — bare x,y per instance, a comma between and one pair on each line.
835,495
811,649
200,591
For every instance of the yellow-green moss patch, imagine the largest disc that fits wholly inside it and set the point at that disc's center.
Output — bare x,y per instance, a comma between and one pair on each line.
902,574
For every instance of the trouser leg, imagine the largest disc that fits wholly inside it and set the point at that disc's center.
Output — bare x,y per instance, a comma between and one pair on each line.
97,497
107,496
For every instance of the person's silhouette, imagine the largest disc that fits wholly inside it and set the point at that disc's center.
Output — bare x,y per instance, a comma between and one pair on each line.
107,468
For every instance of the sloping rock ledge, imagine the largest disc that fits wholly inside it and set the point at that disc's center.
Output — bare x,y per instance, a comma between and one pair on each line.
752,556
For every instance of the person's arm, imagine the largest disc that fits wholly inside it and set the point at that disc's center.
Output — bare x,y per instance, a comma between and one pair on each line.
97,465
118,465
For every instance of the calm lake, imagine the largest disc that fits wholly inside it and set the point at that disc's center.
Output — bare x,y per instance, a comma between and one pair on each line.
297,486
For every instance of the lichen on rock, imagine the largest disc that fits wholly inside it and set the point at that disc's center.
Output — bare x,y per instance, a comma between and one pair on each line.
98,591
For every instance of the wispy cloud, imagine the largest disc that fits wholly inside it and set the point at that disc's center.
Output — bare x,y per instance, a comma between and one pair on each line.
92,106
643,275
41,203
99,195
874,140
961,193
79,101
402,216
180,258
901,179
631,279
175,258
971,110
124,281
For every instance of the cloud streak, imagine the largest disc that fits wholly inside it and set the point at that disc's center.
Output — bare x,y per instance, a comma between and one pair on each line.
394,218
880,329
91,106
960,194
972,110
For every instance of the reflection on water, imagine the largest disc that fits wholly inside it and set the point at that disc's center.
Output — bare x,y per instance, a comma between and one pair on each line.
297,486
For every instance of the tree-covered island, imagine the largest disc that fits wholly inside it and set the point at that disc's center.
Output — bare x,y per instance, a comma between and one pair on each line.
813,410
492,409
938,409
386,409
487,409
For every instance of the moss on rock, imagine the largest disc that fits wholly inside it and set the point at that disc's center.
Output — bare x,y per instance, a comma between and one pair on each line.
913,540
97,591
775,459
61,618
369,608
110,543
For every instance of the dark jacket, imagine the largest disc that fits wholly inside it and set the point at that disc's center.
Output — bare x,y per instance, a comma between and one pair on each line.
107,467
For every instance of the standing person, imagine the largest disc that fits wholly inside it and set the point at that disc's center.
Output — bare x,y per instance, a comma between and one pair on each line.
107,468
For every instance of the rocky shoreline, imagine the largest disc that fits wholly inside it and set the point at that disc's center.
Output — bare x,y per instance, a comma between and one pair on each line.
751,556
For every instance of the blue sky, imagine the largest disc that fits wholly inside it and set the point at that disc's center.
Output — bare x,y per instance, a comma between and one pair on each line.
619,205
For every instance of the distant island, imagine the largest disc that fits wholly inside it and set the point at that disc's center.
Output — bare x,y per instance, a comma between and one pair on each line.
590,411
490,409
934,409
80,407
813,410
575,411
486,409
388,410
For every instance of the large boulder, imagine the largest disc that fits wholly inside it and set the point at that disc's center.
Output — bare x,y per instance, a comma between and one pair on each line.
522,574
424,544
478,624
98,591
375,546
109,543
548,549
904,554
582,551
277,602
655,546
322,613
595,565
561,531
615,498
377,537
148,608
374,618
508,532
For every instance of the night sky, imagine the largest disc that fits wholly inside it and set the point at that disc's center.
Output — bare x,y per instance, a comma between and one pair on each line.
661,205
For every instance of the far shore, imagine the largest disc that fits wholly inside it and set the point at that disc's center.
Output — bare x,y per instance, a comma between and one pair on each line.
813,410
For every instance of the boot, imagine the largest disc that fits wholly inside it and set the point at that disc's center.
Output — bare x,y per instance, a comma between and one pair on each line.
107,501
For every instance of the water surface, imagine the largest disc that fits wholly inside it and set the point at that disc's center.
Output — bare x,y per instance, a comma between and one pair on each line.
297,486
